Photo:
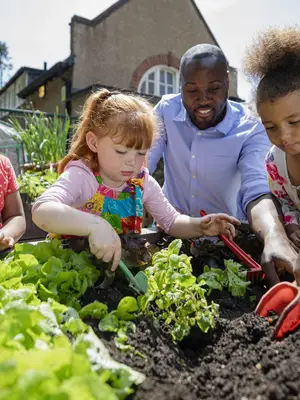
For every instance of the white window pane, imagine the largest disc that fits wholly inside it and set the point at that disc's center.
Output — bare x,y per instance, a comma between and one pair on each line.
170,78
151,76
162,76
162,90
150,87
143,87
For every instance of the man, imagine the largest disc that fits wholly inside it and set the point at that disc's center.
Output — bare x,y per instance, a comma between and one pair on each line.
214,155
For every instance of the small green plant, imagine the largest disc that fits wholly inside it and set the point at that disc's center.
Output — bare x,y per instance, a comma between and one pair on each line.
118,321
174,295
44,138
35,183
232,277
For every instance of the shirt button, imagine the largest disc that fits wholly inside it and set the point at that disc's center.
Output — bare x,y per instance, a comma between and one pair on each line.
199,133
194,176
193,196
193,156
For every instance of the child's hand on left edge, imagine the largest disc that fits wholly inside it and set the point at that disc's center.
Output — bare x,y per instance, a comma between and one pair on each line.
218,224
6,242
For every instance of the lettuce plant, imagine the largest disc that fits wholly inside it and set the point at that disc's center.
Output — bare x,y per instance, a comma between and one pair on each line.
232,277
174,296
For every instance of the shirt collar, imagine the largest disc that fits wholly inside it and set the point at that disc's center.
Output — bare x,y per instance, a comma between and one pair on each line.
223,127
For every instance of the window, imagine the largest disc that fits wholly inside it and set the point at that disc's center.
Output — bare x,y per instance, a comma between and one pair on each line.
63,93
159,80
42,91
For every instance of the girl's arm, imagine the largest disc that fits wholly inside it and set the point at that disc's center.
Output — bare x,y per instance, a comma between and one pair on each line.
63,219
186,227
59,218
183,226
53,212
14,224
287,205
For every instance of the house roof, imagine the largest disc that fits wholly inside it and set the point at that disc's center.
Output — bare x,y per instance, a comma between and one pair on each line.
106,13
20,71
204,21
54,71
101,17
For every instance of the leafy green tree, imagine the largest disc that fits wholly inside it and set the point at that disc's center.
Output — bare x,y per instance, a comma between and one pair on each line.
5,64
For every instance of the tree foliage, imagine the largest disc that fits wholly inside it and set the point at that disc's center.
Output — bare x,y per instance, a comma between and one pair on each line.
5,64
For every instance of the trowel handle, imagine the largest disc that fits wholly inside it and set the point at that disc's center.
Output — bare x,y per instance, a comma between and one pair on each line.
126,272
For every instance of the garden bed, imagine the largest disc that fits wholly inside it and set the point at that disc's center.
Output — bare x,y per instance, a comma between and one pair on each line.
236,360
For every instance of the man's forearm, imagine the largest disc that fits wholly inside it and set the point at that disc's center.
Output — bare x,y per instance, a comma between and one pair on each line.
265,217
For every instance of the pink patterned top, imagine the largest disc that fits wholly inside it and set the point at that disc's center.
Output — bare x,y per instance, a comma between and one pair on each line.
8,183
77,185
281,186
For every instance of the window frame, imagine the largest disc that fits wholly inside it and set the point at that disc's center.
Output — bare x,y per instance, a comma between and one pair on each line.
156,70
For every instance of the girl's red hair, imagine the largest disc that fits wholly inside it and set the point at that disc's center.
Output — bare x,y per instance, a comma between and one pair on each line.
129,117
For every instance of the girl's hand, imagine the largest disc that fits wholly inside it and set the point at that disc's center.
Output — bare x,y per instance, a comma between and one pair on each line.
218,224
105,243
6,242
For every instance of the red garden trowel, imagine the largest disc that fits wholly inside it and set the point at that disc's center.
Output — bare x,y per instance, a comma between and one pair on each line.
284,300
254,269
138,282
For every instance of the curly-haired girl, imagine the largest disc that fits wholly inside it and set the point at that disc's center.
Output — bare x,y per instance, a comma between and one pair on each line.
274,62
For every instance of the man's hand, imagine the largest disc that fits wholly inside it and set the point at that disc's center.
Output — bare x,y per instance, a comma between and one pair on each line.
297,270
266,220
6,242
293,233
278,256
295,239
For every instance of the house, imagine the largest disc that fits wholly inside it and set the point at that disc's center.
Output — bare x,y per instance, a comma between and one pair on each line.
22,78
134,45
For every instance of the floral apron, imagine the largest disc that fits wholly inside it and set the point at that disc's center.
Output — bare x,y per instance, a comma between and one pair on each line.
123,210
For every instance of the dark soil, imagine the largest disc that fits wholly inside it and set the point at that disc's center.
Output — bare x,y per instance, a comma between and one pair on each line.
236,361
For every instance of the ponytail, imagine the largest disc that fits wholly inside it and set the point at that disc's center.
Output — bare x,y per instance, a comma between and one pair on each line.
79,148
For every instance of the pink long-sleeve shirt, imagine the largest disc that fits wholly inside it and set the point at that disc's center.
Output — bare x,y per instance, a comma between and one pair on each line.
77,185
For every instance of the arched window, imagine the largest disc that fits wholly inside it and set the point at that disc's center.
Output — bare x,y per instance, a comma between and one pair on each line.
159,80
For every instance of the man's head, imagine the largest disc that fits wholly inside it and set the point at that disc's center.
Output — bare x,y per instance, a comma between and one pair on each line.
204,84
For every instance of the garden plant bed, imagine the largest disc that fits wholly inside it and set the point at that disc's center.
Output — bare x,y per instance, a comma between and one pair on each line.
237,360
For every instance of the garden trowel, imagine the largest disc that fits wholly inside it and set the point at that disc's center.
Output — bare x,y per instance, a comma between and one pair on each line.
138,282
284,300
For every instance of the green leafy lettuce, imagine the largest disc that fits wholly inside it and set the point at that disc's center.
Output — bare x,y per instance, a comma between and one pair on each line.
232,277
57,273
46,350
180,301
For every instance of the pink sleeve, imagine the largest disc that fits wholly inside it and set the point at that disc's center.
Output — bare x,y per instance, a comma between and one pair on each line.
157,204
75,186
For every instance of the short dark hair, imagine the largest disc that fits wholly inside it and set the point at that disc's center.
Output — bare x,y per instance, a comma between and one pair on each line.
200,51
272,63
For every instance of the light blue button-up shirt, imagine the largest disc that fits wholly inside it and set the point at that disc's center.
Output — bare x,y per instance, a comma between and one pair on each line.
219,169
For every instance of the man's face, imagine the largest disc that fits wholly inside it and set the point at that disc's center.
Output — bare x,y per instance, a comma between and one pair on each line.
204,91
